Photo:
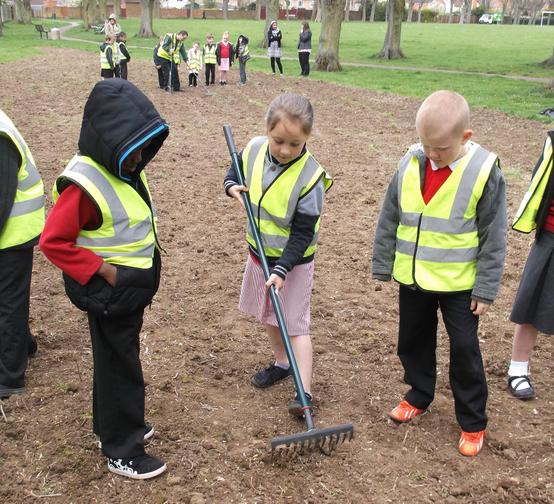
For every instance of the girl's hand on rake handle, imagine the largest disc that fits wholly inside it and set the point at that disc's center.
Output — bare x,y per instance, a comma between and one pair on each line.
235,192
275,280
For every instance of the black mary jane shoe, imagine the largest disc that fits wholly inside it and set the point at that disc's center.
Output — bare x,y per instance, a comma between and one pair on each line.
523,394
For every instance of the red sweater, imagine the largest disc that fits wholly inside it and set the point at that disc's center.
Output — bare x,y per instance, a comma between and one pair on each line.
73,211
225,50
434,179
549,221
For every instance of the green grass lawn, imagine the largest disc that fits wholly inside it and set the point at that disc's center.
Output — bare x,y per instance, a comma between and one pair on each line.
509,50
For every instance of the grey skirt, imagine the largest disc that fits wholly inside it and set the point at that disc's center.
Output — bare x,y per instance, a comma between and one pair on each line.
534,303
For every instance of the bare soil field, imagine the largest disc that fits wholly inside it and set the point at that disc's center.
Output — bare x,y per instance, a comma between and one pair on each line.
212,427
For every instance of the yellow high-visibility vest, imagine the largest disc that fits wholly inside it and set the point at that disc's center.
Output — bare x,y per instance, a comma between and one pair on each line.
274,217
127,235
209,54
104,63
526,216
437,243
26,219
175,45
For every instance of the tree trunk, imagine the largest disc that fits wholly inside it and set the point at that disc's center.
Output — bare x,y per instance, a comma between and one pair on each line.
287,4
191,2
450,11
419,12
468,11
315,10
328,51
347,11
117,8
364,10
258,10
391,47
271,14
84,14
225,9
147,9
462,14
548,62
410,11
157,9
103,7
373,7
23,11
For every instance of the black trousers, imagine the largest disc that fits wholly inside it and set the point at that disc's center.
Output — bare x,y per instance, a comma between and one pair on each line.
304,59
278,61
417,344
160,78
122,70
118,384
193,79
169,67
16,267
210,73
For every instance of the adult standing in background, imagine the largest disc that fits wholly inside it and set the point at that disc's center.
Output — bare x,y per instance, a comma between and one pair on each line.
111,26
304,48
21,223
274,36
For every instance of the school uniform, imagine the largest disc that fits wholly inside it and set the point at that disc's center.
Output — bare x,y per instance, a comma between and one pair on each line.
102,215
21,222
534,302
171,64
292,257
195,66
210,60
107,61
124,58
443,258
304,50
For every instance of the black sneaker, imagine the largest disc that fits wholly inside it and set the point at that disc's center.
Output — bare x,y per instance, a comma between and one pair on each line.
6,392
142,467
148,433
295,406
269,376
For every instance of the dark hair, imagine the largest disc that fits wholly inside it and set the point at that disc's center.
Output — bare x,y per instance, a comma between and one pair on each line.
306,25
183,32
292,106
120,35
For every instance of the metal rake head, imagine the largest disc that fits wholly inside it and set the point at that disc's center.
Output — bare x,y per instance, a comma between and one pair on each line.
316,440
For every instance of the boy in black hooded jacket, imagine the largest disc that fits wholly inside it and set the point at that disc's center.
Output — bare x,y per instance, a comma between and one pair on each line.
102,233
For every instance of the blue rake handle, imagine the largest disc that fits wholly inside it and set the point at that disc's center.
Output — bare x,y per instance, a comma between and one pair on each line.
272,294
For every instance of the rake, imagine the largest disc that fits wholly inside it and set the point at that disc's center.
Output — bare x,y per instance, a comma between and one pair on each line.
321,440
207,92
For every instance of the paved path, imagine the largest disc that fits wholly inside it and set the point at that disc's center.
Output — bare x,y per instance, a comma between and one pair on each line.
543,80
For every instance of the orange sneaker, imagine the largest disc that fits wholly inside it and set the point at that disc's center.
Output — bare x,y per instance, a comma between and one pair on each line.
404,412
471,443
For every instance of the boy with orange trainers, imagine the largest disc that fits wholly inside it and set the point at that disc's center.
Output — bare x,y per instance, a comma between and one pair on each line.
441,235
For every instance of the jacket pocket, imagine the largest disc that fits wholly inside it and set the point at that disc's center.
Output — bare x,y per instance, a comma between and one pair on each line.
133,291
93,297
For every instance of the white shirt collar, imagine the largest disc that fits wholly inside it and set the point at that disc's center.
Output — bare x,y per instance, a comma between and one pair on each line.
470,146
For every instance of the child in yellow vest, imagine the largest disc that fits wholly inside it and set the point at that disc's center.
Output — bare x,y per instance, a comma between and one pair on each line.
107,57
441,236
210,59
533,309
275,166
194,63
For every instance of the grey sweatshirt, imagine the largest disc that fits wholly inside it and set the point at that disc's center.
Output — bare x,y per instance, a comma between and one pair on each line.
491,228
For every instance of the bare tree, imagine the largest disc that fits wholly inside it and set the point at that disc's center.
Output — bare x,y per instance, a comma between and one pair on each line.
364,10
331,20
373,7
157,9
410,10
287,5
534,7
23,12
103,8
391,47
315,10
258,10
505,4
117,8
516,11
225,9
347,11
420,10
191,13
271,14
147,8
450,11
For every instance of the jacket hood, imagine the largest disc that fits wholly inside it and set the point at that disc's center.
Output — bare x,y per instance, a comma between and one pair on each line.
244,38
118,118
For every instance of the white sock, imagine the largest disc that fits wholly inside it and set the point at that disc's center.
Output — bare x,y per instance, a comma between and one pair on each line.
282,366
518,368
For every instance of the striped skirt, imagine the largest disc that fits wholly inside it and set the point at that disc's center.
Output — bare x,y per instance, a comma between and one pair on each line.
295,297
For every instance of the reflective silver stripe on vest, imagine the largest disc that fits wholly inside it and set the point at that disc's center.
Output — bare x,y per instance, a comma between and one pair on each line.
252,155
27,206
124,233
280,242
33,176
455,223
143,252
437,254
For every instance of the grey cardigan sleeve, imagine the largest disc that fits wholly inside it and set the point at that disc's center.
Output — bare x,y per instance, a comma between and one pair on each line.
384,244
492,228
